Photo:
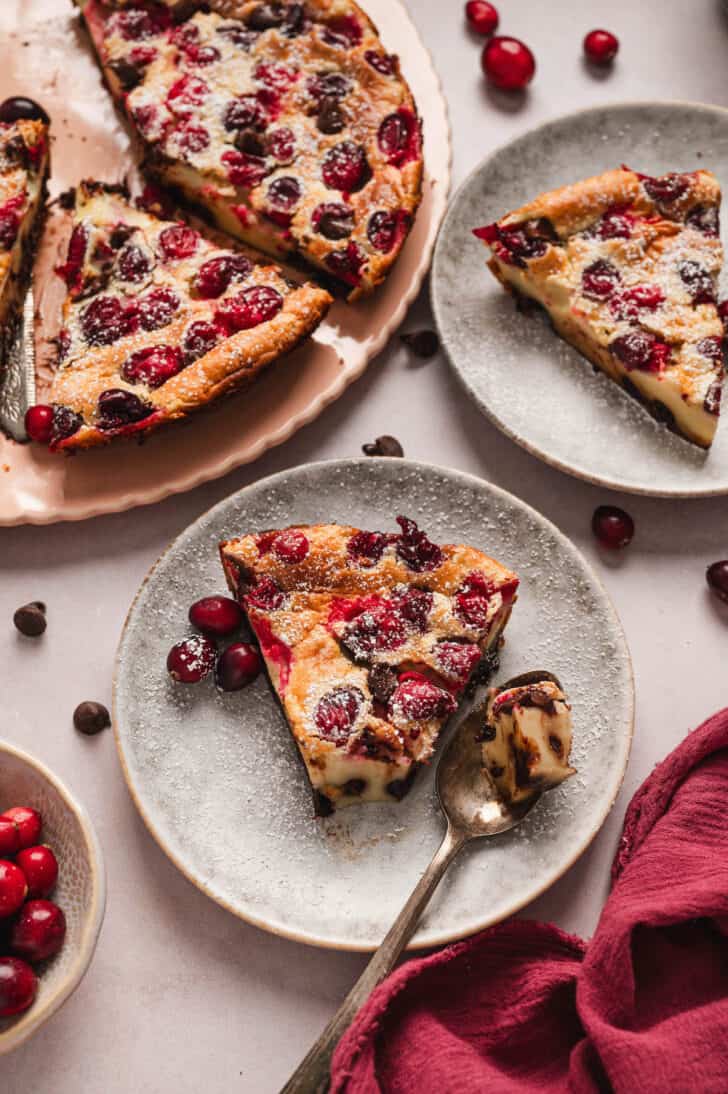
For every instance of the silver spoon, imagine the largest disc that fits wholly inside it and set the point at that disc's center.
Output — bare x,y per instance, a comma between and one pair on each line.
472,809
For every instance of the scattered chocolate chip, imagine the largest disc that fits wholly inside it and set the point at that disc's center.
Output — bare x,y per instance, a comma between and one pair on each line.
91,718
382,680
422,343
31,619
331,118
383,446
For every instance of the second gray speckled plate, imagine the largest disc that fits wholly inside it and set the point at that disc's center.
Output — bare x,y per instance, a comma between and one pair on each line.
229,762
537,389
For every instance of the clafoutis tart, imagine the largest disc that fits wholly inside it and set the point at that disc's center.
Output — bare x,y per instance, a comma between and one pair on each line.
627,267
159,322
24,168
370,640
288,122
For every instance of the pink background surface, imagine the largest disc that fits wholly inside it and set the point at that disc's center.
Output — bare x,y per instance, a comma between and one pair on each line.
181,996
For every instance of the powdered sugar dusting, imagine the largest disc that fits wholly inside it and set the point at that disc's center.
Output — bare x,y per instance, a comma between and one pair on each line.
228,760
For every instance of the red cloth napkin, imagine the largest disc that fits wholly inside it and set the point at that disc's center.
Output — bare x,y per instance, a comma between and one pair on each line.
524,1007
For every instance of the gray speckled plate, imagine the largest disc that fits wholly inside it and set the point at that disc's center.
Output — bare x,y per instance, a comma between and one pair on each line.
192,752
536,388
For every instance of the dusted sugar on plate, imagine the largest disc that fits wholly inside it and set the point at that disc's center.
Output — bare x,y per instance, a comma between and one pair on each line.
626,266
370,640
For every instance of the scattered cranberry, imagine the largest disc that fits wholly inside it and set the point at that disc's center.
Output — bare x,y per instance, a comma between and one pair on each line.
153,365
706,219
9,837
244,169
281,145
290,546
508,63
187,93
347,263
717,577
333,220
344,31
667,188
384,446
415,606
215,275
18,985
283,195
192,659
481,16
192,138
177,242
379,627
336,713
30,620
385,229
9,227
216,616
133,264
237,666
13,888
601,46
698,282
249,308
39,931
612,527
40,867
201,55
639,349
246,112
29,824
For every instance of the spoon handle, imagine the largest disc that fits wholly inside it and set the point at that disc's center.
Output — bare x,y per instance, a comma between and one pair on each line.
312,1074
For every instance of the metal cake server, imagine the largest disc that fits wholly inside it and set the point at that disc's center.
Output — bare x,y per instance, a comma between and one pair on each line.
17,370
472,809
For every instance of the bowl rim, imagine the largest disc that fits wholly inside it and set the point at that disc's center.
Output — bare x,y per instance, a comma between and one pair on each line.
31,1020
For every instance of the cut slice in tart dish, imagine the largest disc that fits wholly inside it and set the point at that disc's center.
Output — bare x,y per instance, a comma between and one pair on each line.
287,121
24,168
159,322
370,640
626,265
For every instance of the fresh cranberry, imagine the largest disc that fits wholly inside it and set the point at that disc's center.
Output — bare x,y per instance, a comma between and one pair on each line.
157,307
281,145
379,627
28,821
508,63
601,46
290,546
249,308
18,986
399,138
599,280
133,264
638,349
616,223
283,195
187,93
348,263
706,219
105,320
237,666
40,867
215,275
118,408
192,138
66,422
366,548
333,220
415,549
9,227
337,712
192,659
13,888
72,268
717,577
39,427
698,281
344,31
481,16
244,169
216,616
39,931
415,606
667,188
612,527
201,55
245,112
383,63
345,167
178,242
267,596
418,699
457,659
153,365
9,837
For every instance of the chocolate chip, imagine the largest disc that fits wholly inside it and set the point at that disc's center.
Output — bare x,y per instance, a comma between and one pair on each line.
354,787
382,682
400,788
331,118
486,733
91,718
67,199
249,142
422,343
31,619
384,446
119,235
128,74
322,805
266,16
496,771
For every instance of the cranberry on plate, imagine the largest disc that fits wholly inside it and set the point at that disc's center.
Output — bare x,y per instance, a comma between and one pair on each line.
237,666
192,659
216,616
508,63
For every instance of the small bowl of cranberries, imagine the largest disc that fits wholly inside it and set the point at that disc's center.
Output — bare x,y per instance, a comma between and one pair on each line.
52,895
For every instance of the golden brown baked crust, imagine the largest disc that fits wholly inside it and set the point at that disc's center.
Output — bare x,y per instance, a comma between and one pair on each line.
370,640
277,194
122,263
627,266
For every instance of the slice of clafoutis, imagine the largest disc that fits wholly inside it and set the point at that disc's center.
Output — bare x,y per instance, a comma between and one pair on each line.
627,268
526,733
370,640
288,122
159,322
24,170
